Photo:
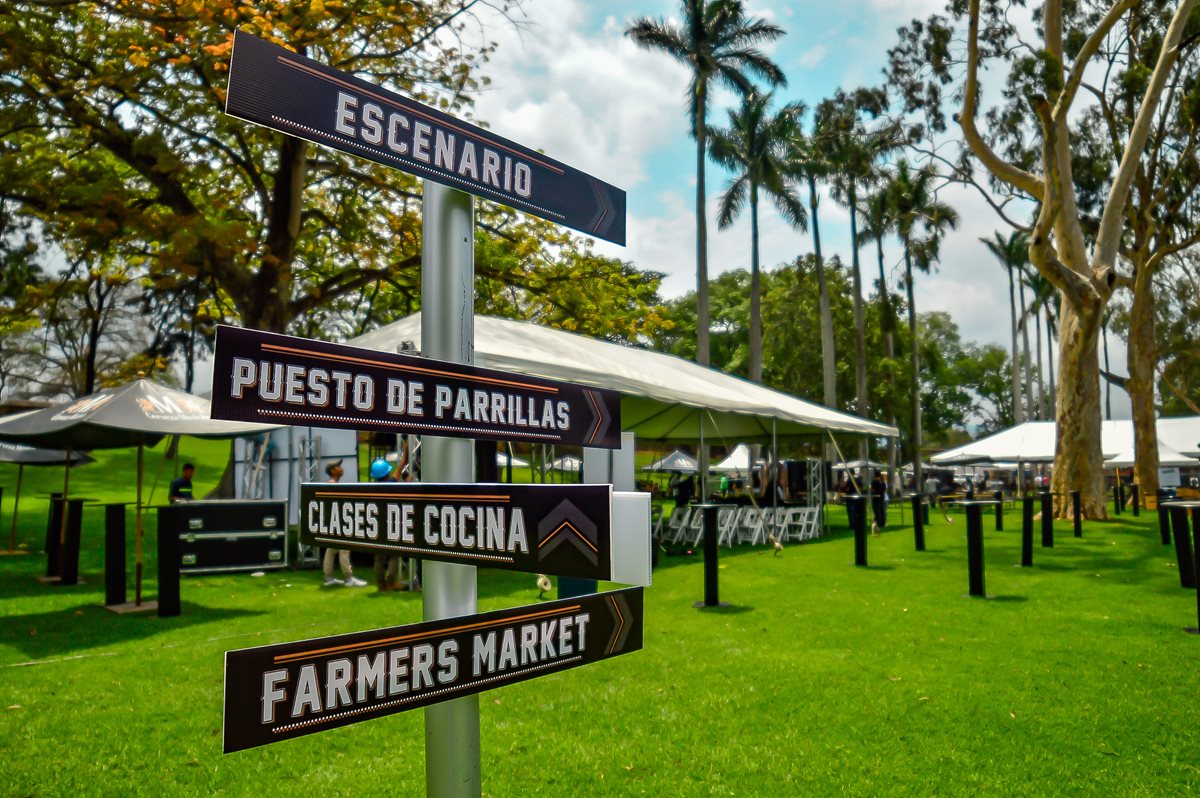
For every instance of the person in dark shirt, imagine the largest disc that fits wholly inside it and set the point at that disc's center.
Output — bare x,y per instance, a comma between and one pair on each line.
181,486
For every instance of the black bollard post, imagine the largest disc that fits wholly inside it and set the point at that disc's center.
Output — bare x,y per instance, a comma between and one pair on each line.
711,567
975,549
1077,513
114,554
999,498
1047,520
1135,492
918,507
1116,499
68,555
859,516
169,560
1164,522
1196,563
54,536
1183,547
1027,532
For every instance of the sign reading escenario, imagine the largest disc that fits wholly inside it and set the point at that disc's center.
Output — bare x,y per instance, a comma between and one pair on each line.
280,379
563,530
278,692
280,89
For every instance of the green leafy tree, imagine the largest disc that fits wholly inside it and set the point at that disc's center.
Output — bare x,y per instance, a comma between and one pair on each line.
718,44
1013,253
753,149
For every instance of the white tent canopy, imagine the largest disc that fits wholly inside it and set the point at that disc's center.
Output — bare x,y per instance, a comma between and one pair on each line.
568,462
675,461
1033,442
738,460
1166,457
663,397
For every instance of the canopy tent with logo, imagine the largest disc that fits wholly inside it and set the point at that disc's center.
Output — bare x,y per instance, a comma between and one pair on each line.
678,461
140,413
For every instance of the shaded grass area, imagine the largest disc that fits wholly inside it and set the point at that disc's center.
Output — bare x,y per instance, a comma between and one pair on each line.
822,678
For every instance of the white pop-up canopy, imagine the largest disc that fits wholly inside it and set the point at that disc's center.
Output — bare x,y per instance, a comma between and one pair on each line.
663,397
737,461
1033,442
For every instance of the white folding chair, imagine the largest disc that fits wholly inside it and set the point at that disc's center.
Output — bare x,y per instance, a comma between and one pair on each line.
677,524
727,525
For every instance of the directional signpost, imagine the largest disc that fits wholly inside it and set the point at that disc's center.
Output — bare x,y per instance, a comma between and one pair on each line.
280,379
278,692
283,691
564,530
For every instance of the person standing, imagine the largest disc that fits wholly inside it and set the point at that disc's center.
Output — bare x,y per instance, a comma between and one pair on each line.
879,500
181,486
387,566
334,471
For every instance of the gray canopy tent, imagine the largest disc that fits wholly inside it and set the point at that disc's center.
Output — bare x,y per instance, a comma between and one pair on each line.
22,455
140,413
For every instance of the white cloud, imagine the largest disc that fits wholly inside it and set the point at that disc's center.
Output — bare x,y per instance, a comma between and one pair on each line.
596,102
813,56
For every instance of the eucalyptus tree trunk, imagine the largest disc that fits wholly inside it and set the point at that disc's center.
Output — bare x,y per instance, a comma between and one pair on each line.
1107,382
828,355
702,316
1142,362
1078,466
915,363
756,346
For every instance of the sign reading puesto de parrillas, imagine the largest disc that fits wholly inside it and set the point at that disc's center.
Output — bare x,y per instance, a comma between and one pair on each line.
281,379
278,692
283,90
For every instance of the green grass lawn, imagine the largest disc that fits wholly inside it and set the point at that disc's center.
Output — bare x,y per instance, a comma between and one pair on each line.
821,679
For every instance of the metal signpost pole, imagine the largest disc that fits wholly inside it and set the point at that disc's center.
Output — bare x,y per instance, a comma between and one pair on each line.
448,333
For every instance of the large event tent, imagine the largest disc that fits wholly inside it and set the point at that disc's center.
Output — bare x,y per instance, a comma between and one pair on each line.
1033,442
662,397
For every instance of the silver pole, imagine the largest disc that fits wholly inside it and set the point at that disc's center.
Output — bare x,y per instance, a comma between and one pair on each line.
448,333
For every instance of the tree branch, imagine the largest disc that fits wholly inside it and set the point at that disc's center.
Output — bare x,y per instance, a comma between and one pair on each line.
1112,220
1090,46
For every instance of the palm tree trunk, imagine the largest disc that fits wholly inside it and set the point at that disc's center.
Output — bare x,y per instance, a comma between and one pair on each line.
828,356
756,366
1026,361
860,329
915,363
1018,411
1107,370
702,317
889,351
1050,364
1041,382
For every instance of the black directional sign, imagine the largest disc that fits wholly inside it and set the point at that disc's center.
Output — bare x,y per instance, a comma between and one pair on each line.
281,379
280,89
282,691
563,530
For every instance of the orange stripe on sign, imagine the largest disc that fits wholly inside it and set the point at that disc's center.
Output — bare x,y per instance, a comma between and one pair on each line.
415,369
373,495
470,627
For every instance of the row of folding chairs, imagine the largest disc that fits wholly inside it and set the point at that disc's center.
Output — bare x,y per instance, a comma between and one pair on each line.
741,524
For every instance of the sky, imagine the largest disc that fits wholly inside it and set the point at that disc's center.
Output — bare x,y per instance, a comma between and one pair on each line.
567,81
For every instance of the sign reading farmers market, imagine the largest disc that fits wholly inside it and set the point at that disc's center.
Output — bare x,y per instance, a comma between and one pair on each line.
554,529
282,691
279,89
281,379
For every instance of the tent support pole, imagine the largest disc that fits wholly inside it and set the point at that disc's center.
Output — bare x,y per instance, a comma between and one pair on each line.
776,475
702,462
12,531
62,530
137,579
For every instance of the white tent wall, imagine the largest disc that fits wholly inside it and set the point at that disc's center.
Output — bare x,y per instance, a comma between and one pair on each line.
293,455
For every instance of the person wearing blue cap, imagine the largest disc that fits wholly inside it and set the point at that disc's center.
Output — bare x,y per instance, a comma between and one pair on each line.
387,566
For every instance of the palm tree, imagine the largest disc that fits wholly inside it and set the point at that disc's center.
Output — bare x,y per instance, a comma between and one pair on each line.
809,164
921,221
1013,254
753,149
851,153
717,42
1044,310
879,224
